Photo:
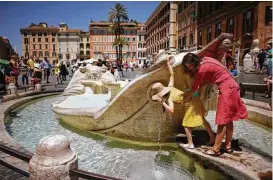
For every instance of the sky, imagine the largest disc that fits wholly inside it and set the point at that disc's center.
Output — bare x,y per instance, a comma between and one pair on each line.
16,15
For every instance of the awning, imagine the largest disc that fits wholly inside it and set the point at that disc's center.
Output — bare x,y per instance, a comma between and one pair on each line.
4,62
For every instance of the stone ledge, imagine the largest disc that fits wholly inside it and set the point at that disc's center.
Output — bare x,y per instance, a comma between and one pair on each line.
6,139
261,116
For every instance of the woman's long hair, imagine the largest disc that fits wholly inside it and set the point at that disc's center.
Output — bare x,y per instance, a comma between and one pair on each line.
190,58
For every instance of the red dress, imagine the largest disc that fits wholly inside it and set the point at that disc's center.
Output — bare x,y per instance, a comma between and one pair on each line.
230,106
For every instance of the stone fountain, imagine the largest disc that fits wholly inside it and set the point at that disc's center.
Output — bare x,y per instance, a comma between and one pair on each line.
127,111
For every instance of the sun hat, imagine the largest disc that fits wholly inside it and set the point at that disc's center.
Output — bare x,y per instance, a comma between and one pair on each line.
158,90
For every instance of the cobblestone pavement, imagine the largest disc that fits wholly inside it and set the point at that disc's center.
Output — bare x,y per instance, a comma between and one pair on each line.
8,174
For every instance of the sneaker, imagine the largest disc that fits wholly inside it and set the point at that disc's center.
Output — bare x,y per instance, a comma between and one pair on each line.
187,146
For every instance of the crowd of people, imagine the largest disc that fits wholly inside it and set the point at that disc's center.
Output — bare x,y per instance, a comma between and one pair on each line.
33,71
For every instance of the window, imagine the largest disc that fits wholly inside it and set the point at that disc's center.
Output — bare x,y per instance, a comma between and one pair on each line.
26,55
67,56
34,53
54,47
87,46
46,39
46,54
54,34
33,46
218,29
45,34
185,21
184,41
191,39
105,39
268,15
27,48
53,39
210,8
40,46
39,39
33,39
26,40
218,5
81,45
81,52
87,39
53,54
40,53
33,34
247,22
192,16
105,48
200,38
67,50
46,46
60,56
95,38
230,25
109,38
209,35
40,34
134,39
87,52
25,33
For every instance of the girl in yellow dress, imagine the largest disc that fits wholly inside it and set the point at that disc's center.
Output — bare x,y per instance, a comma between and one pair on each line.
194,109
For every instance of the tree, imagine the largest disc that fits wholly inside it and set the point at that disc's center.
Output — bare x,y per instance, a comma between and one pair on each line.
120,42
117,15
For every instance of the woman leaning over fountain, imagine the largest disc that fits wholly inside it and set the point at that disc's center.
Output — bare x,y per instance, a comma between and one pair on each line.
194,110
230,106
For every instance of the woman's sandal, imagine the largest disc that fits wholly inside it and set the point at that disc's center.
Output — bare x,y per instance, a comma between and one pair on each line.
229,150
212,152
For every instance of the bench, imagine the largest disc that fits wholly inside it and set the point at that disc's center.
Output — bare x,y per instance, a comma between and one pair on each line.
254,88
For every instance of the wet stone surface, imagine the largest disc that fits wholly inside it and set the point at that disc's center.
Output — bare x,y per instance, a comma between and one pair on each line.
243,129
8,174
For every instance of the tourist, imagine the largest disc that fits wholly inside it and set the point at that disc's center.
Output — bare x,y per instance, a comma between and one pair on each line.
99,63
46,69
132,65
230,106
120,67
126,66
268,82
261,56
57,73
194,110
36,77
14,70
63,70
269,59
24,70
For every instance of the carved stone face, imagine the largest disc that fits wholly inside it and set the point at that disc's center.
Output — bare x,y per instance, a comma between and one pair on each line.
256,42
223,48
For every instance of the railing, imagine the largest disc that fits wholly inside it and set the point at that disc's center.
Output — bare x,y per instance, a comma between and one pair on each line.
25,157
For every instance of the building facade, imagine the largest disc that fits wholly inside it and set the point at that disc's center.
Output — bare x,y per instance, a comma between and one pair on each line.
101,41
6,50
141,46
245,20
186,25
69,44
84,46
161,28
40,41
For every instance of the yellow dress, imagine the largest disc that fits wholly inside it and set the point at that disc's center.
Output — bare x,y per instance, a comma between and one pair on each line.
194,109
57,70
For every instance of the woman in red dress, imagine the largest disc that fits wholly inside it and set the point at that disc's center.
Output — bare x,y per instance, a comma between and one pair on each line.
230,106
